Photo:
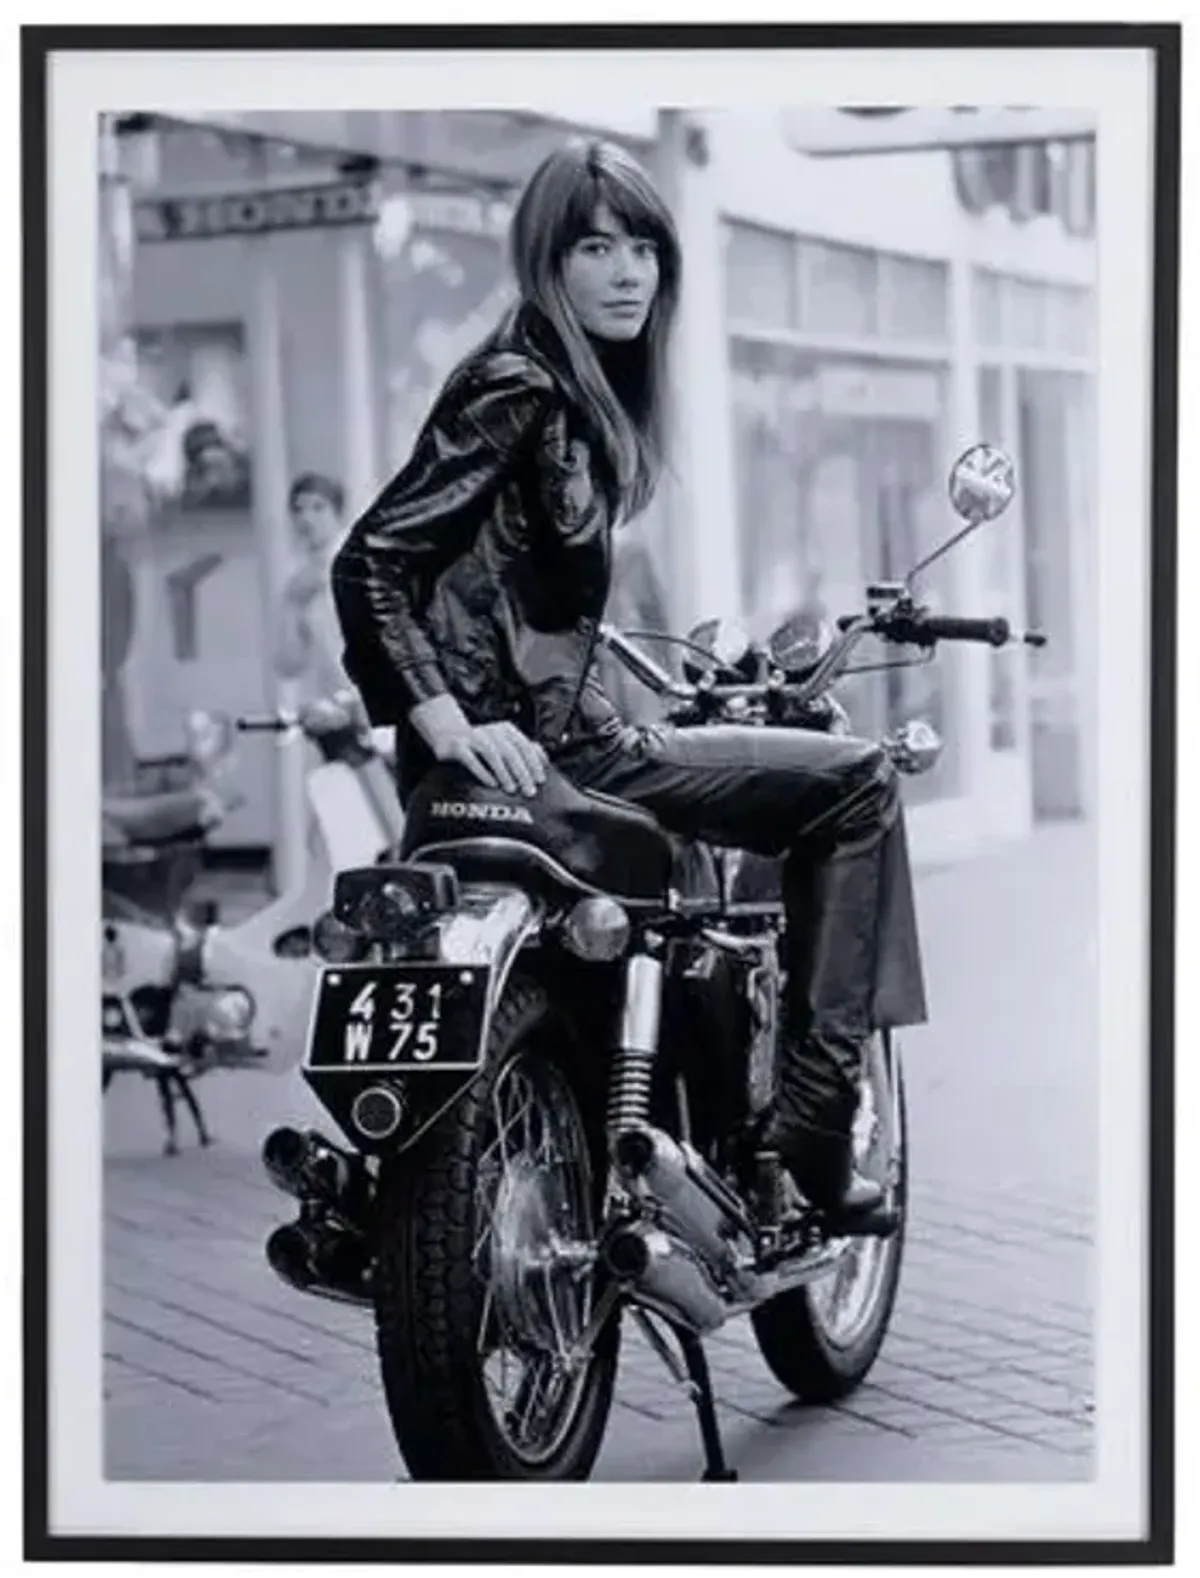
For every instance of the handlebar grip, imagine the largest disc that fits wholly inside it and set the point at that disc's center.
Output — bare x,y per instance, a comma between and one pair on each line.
994,632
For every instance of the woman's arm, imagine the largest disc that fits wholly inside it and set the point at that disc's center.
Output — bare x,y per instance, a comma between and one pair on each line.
429,514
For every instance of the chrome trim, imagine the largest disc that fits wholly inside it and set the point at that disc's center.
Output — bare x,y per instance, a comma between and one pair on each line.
642,1007
551,866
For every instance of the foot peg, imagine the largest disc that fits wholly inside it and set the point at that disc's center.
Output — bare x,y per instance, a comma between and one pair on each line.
875,1221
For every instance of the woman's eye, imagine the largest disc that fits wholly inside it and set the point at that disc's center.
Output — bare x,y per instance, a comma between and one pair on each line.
645,249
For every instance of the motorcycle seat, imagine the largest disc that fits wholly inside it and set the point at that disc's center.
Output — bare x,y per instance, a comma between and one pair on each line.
174,815
563,839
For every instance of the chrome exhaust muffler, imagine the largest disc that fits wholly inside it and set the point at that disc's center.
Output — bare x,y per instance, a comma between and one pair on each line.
664,1275
706,1213
689,1264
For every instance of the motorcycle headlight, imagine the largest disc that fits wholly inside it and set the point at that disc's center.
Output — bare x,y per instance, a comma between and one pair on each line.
596,929
229,1014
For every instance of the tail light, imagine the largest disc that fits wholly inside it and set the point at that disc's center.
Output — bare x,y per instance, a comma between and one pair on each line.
394,903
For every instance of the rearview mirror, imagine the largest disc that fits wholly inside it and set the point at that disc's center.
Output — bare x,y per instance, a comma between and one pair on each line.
982,483
981,486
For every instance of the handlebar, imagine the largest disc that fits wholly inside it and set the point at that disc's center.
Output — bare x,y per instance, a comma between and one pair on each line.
915,628
269,723
900,622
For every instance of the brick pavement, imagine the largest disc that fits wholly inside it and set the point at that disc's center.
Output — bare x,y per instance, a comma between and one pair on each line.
214,1370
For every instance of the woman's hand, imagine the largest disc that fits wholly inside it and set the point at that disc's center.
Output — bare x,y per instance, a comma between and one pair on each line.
498,754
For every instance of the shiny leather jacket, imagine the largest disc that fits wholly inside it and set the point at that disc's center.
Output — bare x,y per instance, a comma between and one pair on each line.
483,567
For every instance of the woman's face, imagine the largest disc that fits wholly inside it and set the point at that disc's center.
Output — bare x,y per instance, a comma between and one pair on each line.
611,279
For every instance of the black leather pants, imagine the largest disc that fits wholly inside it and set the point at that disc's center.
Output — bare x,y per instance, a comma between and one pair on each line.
830,806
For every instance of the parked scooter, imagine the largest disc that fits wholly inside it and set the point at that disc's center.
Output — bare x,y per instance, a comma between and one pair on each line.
182,993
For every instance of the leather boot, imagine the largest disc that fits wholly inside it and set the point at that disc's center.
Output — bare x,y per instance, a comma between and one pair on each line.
819,1161
833,931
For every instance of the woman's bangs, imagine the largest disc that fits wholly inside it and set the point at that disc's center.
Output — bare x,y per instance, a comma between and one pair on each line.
639,212
579,212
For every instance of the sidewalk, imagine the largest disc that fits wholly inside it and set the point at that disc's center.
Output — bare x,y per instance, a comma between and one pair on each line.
215,1371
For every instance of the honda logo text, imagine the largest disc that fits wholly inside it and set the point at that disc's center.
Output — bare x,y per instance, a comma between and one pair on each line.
467,811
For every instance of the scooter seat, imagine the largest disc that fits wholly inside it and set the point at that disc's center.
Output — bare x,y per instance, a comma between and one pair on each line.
176,815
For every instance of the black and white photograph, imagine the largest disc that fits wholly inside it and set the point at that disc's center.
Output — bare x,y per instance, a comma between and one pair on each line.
612,837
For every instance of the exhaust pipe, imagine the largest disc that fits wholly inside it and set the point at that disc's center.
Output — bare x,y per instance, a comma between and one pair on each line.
705,1211
319,1258
310,1168
665,1276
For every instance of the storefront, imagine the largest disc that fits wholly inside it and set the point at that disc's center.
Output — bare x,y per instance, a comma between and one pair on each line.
858,369
295,311
840,392
1033,344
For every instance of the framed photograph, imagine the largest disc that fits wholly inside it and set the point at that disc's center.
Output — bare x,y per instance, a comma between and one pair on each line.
691,1005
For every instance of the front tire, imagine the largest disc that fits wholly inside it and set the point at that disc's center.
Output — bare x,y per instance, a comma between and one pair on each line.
505,1176
820,1340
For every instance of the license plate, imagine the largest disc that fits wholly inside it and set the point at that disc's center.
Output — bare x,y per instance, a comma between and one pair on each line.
411,1016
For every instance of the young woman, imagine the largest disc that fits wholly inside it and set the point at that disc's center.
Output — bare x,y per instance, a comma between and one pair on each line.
469,595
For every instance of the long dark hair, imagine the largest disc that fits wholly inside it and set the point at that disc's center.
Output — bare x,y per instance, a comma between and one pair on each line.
623,391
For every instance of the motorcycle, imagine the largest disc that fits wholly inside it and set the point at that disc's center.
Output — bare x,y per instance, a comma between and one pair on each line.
547,1030
183,994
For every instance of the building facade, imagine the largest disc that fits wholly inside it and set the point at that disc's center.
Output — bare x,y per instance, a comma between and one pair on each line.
838,345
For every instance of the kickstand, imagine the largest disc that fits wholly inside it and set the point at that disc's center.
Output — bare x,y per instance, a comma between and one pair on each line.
715,1466
697,1383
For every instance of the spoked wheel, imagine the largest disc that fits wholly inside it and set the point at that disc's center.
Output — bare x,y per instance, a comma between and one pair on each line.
497,1363
821,1339
533,1255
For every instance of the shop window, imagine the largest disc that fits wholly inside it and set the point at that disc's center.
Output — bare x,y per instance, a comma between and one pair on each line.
442,288
838,289
1070,316
914,299
1057,456
760,277
1002,709
841,480
1026,315
988,308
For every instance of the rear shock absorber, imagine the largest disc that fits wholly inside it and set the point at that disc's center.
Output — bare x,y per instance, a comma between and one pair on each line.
637,1047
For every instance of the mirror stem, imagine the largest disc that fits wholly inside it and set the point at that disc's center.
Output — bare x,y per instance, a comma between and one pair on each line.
917,569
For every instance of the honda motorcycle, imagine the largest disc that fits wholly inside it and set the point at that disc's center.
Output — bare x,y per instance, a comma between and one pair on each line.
182,993
547,1029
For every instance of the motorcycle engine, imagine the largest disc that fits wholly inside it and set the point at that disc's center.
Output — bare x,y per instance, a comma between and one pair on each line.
718,1031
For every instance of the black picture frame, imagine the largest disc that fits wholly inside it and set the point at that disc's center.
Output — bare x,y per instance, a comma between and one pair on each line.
1163,43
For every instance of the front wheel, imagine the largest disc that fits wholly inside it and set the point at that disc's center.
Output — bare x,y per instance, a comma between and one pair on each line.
821,1339
485,1273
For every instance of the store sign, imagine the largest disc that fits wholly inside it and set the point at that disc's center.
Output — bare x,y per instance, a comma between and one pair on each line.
1030,162
257,213
887,128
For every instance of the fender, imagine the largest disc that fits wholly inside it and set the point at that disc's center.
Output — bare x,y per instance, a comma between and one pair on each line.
491,927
